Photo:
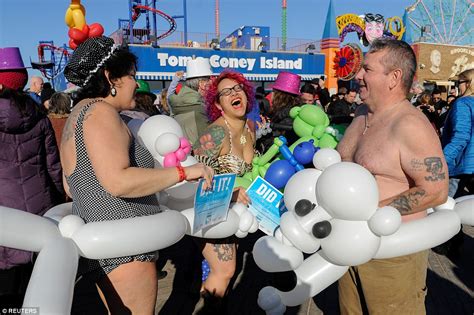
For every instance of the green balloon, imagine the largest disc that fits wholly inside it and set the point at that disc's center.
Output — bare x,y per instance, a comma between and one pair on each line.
270,154
242,182
327,141
309,120
301,128
313,115
319,131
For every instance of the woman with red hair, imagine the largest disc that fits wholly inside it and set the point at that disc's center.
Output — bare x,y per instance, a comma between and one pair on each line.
227,146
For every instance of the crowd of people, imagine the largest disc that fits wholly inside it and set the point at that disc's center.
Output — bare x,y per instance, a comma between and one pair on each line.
56,147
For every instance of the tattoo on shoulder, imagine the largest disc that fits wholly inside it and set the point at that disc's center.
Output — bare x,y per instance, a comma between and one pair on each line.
434,166
406,202
71,123
225,252
87,115
210,143
69,127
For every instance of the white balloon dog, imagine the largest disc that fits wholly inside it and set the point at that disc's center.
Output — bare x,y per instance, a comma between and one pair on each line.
60,237
334,208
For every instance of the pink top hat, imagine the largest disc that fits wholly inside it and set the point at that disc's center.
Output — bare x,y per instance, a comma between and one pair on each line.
10,59
288,82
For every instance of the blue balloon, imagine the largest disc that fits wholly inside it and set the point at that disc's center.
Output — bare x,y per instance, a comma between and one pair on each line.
304,152
279,173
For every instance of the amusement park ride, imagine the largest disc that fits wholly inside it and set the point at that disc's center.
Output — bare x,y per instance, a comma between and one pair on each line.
137,9
444,22
52,59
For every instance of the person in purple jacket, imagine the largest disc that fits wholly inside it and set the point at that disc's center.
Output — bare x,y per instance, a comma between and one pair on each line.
30,170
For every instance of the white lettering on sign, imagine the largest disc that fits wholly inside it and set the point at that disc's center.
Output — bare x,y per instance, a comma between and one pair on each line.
218,186
267,194
236,63
275,63
462,51
173,61
248,64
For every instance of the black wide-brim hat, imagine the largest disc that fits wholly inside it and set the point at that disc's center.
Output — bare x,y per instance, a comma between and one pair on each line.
88,58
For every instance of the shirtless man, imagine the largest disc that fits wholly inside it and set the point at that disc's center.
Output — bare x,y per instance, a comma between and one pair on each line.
397,144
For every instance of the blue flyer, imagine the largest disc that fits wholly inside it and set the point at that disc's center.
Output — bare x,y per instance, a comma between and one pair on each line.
267,204
212,206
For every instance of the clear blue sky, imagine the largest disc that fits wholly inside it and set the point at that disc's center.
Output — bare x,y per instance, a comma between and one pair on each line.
23,23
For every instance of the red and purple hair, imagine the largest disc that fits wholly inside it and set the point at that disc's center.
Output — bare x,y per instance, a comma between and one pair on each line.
212,93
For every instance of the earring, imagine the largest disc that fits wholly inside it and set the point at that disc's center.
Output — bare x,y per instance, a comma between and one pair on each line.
113,91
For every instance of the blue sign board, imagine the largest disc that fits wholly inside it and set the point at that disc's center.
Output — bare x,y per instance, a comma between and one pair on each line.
212,206
162,63
267,205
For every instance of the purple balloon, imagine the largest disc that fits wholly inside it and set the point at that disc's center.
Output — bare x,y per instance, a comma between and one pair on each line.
279,173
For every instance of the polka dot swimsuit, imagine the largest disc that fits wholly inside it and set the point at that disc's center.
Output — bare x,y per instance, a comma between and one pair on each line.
93,203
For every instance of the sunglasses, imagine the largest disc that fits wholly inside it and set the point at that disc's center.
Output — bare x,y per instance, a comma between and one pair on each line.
459,82
369,17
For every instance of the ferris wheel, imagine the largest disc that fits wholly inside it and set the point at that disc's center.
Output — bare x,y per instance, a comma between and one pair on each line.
442,21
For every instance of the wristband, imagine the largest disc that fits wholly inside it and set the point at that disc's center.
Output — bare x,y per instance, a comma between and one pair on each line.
181,174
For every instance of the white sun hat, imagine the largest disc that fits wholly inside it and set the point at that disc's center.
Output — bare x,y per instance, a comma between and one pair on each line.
199,67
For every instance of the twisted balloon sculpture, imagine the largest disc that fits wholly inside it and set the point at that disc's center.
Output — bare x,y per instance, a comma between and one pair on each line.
61,237
339,223
79,31
311,124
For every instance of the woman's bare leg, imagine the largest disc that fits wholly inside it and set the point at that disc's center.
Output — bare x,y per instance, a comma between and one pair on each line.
130,289
222,261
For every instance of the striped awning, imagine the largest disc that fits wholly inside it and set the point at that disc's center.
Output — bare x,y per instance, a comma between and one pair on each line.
158,76
154,76
272,77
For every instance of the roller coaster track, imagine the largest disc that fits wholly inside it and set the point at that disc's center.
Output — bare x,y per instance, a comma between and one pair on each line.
59,57
137,11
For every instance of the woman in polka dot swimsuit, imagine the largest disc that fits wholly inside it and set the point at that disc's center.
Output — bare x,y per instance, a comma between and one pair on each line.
108,174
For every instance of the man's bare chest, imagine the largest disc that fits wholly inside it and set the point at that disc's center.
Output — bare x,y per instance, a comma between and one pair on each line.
374,150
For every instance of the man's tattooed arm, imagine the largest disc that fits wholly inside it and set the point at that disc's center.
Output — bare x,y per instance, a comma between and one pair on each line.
405,203
433,166
428,172
210,143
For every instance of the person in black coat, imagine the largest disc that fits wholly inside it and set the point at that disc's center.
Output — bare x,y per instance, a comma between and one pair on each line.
339,112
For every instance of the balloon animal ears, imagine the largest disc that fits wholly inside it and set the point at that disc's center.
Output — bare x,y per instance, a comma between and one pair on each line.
295,111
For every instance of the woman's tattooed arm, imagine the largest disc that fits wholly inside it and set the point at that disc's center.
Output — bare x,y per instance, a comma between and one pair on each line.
210,143
225,252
